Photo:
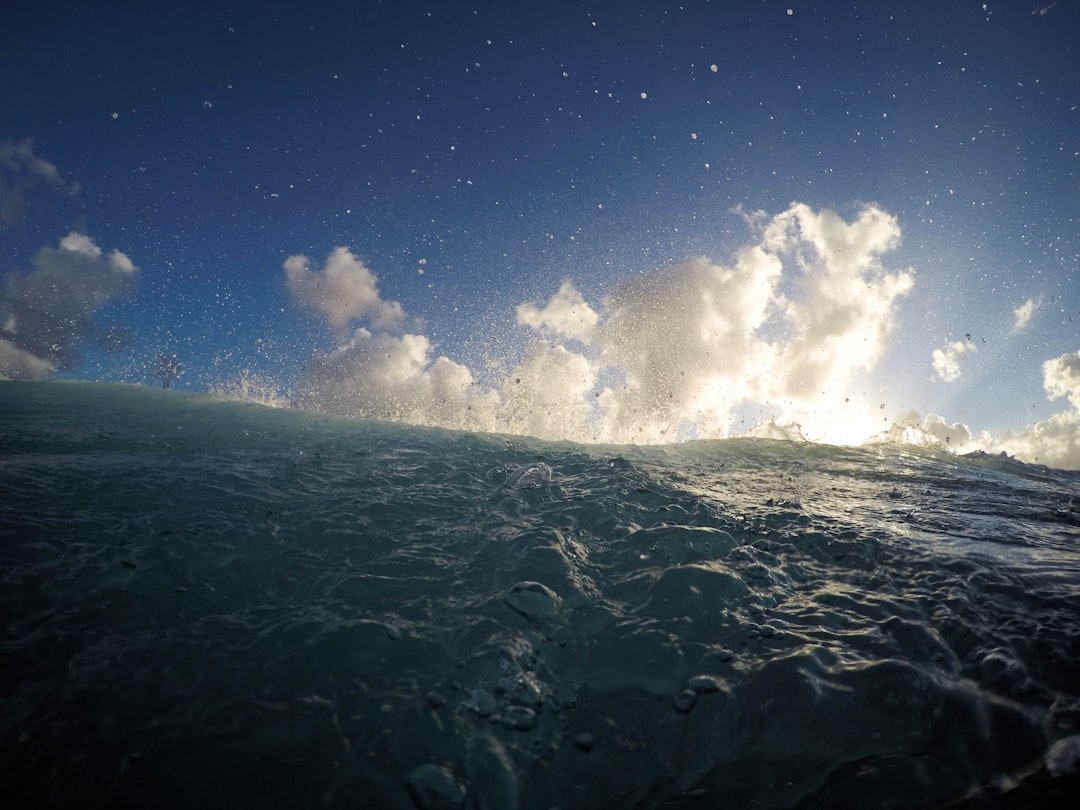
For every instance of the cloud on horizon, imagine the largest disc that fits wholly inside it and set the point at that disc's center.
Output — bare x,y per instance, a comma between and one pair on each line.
1054,441
46,313
933,429
668,354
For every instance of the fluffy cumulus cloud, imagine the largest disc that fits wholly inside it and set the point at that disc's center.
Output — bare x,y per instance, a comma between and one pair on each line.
689,344
674,353
1054,441
343,291
1061,378
46,314
686,342
566,314
393,377
947,360
21,171
842,318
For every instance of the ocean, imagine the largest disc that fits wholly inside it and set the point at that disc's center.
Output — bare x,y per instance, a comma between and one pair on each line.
207,603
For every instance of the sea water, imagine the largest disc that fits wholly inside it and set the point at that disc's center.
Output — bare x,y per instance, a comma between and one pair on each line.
211,604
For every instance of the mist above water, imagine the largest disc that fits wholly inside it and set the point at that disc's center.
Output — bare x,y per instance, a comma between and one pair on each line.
776,342
779,332
783,339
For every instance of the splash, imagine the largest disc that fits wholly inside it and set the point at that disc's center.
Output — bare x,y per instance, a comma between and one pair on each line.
249,386
686,351
776,342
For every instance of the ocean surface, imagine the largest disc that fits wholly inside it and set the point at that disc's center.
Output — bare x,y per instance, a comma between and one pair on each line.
210,604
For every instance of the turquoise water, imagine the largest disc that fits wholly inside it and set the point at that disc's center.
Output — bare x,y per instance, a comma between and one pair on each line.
215,604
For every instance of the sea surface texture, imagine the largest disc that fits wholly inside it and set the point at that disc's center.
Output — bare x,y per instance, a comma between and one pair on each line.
214,604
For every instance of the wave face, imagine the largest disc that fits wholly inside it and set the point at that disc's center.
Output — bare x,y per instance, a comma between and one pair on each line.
209,603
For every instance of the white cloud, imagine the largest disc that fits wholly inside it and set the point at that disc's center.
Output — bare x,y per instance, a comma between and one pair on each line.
1061,378
390,377
668,354
566,314
686,340
957,435
843,318
695,341
344,290
947,359
20,172
45,314
1022,315
1054,441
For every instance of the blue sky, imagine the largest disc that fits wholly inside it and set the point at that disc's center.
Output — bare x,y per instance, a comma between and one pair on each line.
473,157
